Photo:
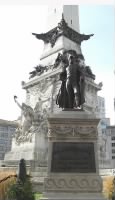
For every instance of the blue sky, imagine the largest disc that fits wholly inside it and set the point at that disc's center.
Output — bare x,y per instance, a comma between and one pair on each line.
99,50
20,51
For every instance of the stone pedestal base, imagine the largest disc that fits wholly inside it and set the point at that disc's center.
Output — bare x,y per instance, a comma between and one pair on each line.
73,187
73,172
73,196
79,183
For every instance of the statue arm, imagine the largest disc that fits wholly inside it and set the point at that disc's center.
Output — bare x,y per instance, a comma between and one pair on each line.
15,99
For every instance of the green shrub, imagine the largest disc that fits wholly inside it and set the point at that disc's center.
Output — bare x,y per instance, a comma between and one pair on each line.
22,189
38,196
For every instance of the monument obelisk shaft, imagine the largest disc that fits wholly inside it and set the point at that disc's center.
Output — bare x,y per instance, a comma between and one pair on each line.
71,16
70,13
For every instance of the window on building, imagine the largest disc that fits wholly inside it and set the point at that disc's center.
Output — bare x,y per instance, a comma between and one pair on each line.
3,129
1,148
2,141
103,131
112,131
2,156
103,123
103,103
11,130
113,144
113,150
113,137
113,157
4,134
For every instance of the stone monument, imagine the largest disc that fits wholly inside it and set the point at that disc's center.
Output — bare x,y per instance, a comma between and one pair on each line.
53,86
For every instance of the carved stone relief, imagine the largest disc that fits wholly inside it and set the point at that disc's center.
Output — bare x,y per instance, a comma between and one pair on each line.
73,131
30,125
74,183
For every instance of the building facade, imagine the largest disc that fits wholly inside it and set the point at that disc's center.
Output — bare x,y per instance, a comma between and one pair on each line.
111,130
7,129
104,136
104,150
100,111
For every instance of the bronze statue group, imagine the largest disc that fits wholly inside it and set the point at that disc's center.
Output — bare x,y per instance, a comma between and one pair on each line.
71,92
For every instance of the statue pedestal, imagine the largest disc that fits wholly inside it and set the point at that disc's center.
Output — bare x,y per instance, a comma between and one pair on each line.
72,161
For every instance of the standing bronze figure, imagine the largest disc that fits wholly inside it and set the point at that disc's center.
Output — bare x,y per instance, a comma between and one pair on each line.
71,93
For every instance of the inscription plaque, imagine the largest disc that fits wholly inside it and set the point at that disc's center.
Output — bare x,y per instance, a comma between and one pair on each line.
73,157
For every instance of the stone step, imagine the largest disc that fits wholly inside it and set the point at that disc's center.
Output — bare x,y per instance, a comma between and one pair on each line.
38,174
38,184
39,169
37,179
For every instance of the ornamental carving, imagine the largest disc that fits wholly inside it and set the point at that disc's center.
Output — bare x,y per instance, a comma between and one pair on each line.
60,131
73,183
85,130
62,29
65,131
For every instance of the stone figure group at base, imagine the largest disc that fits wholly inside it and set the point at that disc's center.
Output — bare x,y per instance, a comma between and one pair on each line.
32,120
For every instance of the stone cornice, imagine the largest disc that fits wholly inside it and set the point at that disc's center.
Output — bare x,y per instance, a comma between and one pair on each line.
42,77
62,29
52,73
8,123
73,118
